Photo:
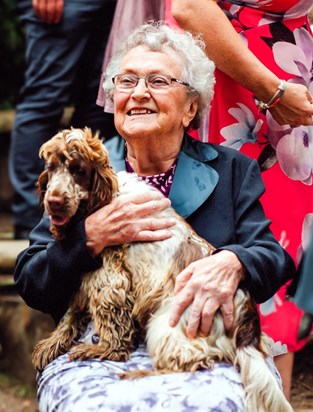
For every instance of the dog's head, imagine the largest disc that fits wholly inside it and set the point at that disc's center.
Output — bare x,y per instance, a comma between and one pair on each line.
77,176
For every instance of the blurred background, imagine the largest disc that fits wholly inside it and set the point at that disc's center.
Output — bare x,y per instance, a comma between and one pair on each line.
11,78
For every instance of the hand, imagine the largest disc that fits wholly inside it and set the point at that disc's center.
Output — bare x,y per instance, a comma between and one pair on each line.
129,218
207,285
295,107
48,11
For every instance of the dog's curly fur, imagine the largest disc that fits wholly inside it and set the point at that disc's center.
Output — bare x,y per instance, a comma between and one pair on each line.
133,290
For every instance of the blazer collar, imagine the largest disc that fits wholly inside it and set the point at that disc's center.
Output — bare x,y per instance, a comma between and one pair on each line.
194,178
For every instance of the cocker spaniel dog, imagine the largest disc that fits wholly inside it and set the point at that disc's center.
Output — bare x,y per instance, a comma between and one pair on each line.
132,293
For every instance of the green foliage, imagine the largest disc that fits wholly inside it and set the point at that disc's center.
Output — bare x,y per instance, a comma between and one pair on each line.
12,48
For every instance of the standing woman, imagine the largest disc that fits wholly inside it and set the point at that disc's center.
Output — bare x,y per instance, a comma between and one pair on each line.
263,107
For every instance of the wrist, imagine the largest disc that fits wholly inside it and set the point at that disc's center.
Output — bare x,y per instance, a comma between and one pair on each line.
94,242
274,99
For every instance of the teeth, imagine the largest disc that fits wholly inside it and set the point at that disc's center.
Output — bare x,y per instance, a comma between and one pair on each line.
140,111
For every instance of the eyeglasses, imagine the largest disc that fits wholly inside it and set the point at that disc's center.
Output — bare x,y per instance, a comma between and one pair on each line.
127,81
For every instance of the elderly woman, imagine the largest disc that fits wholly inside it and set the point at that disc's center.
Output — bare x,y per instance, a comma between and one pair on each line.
161,83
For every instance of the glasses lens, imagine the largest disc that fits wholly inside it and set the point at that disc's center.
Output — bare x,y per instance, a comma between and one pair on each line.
158,81
126,81
153,81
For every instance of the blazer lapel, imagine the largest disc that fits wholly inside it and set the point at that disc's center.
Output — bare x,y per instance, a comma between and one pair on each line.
116,149
194,178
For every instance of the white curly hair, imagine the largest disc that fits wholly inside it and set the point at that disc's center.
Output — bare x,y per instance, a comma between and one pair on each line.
196,68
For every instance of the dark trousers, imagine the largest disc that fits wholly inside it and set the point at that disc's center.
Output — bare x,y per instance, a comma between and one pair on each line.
64,63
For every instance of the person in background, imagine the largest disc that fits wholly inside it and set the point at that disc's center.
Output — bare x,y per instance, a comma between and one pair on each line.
65,43
304,291
161,84
263,106
128,15
301,288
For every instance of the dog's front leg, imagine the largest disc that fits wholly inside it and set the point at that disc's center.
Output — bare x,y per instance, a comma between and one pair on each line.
111,309
58,343
114,324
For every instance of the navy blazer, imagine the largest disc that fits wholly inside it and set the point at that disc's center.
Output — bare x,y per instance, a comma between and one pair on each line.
216,189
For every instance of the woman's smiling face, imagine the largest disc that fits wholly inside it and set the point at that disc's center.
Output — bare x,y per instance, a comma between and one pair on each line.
143,111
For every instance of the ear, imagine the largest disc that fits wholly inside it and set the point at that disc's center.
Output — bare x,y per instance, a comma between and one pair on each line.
104,187
42,186
190,112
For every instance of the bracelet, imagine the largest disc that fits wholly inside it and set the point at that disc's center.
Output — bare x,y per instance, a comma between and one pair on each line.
274,100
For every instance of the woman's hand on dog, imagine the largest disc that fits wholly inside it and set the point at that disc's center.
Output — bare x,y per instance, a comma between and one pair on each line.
207,285
129,218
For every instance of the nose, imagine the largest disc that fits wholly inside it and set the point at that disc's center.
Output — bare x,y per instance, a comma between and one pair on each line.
141,88
55,202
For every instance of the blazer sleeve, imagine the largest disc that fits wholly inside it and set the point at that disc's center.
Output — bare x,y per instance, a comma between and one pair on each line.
268,265
47,273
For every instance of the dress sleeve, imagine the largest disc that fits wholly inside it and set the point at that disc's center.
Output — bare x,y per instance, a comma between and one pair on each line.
48,272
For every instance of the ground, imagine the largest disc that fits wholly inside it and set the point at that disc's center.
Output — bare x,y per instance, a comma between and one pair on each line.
15,397
302,387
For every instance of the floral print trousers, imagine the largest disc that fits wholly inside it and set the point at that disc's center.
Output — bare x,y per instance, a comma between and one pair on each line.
94,385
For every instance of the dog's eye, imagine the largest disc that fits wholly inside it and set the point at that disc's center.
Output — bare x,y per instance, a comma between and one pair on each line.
78,170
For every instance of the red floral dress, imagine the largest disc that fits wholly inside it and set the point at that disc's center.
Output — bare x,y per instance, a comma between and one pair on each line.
278,33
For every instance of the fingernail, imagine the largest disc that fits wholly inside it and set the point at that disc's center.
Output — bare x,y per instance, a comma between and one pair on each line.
189,335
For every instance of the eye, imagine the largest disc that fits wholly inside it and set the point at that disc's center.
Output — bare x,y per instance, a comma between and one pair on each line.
127,80
158,81
77,170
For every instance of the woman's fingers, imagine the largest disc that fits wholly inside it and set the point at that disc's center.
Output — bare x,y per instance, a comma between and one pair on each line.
207,285
129,218
227,310
295,107
142,204
48,11
209,309
183,300
182,279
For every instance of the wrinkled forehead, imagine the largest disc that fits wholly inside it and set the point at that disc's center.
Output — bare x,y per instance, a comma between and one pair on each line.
146,60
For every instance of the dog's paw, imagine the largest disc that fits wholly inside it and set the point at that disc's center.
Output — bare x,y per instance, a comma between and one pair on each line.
43,354
139,374
49,349
86,351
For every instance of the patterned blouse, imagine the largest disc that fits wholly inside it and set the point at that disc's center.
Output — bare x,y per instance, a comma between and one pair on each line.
162,181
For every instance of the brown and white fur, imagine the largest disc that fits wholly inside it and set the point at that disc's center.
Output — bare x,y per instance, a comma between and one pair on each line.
131,295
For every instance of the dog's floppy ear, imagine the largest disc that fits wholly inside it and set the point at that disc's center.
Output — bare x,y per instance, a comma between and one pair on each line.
104,187
42,186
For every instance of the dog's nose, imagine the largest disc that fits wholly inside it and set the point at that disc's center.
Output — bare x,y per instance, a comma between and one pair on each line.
55,202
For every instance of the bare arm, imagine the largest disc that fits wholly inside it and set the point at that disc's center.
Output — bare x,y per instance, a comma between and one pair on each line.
229,54
48,11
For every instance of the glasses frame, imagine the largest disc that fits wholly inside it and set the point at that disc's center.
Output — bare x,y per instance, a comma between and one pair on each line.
149,86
